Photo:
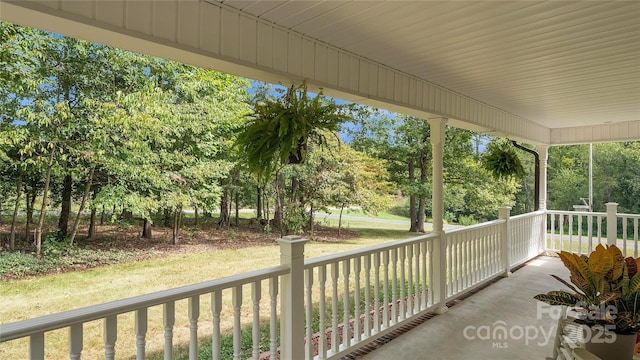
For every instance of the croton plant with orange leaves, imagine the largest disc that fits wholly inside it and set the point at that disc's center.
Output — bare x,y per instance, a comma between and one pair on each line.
605,288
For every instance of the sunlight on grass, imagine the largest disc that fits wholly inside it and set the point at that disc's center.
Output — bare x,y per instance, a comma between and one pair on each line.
359,213
32,297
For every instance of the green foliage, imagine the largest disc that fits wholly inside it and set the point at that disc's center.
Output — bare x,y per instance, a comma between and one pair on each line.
501,159
19,264
616,175
157,133
605,277
55,243
278,131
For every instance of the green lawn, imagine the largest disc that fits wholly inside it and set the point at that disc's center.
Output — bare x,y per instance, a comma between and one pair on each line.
359,213
32,297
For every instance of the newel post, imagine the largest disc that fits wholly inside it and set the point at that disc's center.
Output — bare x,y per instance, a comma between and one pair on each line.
612,223
504,213
292,298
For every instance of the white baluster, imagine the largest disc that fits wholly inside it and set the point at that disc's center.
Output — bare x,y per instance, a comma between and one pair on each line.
561,230
216,307
424,256
367,295
466,262
273,321
169,310
410,284
624,235
580,251
357,331
553,232
590,231
335,339
322,341
110,336
571,233
429,273
346,331
599,229
385,288
394,285
635,237
236,300
403,268
141,333
447,277
376,291
416,292
484,234
36,346
75,341
194,314
308,283
256,296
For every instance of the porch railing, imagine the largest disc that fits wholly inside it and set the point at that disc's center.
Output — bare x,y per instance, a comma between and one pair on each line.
581,232
315,309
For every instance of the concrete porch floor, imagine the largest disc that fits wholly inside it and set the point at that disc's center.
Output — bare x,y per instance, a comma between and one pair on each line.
472,328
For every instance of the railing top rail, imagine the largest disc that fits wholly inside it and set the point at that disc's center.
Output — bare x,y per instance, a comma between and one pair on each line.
45,323
328,259
476,226
571,212
633,216
526,215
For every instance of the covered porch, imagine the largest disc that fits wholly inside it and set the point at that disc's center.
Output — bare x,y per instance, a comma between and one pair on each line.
344,305
501,321
543,73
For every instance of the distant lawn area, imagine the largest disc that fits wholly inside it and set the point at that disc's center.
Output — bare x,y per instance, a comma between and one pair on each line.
199,258
359,213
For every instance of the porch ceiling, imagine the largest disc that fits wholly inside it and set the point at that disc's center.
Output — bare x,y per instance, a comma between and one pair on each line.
545,72
560,64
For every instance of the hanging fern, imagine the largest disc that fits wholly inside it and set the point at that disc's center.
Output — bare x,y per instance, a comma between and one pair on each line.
501,159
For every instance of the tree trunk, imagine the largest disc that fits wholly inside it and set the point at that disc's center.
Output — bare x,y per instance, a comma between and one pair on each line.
237,200
223,221
126,215
279,213
413,212
146,229
31,204
259,203
43,208
176,226
423,180
266,212
311,218
14,221
195,216
92,225
340,220
102,216
167,218
65,211
83,203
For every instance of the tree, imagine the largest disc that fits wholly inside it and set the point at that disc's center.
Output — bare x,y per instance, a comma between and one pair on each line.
278,134
339,176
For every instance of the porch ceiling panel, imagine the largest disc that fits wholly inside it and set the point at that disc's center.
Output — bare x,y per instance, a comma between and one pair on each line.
545,72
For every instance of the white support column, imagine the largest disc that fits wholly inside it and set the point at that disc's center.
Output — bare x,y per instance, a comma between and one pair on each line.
439,255
612,223
504,213
292,298
543,154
